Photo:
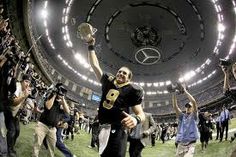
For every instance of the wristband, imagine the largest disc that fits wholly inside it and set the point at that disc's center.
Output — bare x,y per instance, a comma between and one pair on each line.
91,48
138,119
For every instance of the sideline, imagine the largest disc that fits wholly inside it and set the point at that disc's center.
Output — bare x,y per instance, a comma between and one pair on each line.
229,131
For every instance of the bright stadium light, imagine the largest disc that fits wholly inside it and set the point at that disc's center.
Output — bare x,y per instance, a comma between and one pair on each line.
221,27
44,13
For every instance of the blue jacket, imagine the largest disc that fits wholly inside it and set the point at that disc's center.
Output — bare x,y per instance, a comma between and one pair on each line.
187,128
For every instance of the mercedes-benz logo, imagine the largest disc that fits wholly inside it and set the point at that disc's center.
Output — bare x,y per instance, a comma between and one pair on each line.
147,56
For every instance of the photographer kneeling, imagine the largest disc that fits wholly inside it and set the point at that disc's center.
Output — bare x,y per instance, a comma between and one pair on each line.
50,118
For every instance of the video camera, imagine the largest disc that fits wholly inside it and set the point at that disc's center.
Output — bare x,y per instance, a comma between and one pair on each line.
60,89
225,62
12,58
34,93
176,87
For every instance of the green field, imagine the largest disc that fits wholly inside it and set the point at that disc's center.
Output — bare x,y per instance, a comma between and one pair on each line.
82,140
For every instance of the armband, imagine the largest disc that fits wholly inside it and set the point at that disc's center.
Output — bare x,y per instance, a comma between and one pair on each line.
91,48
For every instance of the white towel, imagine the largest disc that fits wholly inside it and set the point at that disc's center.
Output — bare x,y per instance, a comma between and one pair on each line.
103,137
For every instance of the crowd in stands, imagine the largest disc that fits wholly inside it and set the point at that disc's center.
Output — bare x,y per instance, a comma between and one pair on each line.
202,98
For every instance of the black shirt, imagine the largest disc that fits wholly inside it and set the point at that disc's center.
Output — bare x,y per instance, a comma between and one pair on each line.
117,99
204,124
72,116
231,93
6,88
53,116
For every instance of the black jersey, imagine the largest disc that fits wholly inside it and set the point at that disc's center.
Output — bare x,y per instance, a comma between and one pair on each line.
117,99
52,116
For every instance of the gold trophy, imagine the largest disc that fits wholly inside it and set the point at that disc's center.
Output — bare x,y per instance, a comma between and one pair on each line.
86,31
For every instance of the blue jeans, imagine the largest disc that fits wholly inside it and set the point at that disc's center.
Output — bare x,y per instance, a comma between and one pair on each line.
61,146
3,136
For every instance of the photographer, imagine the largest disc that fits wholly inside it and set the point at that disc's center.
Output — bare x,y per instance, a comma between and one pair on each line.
226,66
71,122
187,133
55,105
7,85
12,119
205,125
59,144
229,91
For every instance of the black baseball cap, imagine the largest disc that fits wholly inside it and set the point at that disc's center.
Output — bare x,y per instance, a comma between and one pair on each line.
188,105
26,77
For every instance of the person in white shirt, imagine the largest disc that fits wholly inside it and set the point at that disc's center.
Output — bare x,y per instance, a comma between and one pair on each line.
23,90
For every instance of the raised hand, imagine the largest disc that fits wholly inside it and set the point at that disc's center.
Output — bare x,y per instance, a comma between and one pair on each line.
225,69
27,91
91,41
86,32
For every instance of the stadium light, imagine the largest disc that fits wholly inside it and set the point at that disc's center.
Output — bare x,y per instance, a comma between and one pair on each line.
44,13
221,27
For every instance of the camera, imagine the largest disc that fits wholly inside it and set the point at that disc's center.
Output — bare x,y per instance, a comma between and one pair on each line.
11,57
14,56
34,93
176,87
60,90
225,62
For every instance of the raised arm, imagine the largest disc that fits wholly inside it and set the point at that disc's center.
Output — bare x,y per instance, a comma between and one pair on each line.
93,60
22,97
3,60
65,105
175,105
226,78
50,101
191,99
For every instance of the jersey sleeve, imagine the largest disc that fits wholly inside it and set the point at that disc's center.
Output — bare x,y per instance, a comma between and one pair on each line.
137,95
106,78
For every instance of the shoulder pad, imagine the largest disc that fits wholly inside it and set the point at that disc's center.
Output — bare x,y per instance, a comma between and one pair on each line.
136,87
110,77
138,90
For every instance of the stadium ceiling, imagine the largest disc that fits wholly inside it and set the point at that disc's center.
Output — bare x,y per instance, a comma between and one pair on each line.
160,41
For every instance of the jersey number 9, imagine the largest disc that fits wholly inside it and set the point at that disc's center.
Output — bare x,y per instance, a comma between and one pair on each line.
110,98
